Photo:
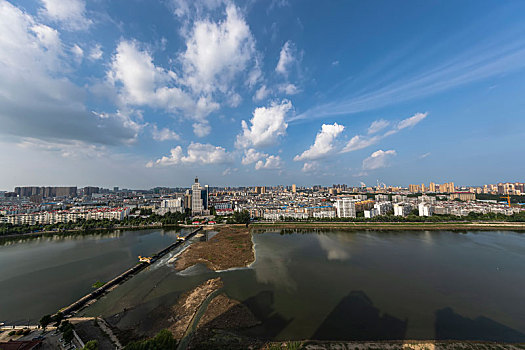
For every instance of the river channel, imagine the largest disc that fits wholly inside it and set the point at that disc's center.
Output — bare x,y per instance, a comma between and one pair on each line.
308,285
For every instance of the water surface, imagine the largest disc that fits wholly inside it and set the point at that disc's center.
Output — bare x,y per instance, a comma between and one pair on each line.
40,275
355,285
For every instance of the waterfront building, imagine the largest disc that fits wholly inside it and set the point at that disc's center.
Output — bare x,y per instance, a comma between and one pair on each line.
402,209
371,213
345,208
425,209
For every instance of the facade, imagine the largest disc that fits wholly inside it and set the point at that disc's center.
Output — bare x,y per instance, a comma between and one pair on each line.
425,209
463,196
345,208
371,213
402,209
199,199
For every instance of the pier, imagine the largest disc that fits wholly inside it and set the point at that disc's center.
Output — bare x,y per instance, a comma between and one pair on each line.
80,303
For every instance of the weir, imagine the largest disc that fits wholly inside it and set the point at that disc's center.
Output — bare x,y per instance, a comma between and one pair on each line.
77,305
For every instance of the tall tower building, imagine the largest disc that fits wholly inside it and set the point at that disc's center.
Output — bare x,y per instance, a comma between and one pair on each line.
199,198
294,188
432,187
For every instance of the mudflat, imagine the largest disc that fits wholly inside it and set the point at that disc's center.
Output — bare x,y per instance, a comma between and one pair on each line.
231,247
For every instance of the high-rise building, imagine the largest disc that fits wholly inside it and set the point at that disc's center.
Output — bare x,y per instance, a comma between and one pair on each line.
199,198
432,187
345,208
294,188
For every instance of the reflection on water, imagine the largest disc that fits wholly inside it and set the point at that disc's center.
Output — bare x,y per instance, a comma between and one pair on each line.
351,285
357,285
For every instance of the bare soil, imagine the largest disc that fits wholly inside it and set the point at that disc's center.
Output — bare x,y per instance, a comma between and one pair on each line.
188,305
231,247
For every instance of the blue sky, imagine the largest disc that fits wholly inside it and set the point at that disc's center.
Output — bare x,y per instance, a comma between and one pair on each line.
141,93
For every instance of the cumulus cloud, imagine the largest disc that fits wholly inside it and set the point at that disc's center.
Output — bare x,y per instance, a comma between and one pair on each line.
261,160
252,156
324,142
378,159
309,167
36,99
197,153
288,89
164,134
271,162
217,52
267,125
286,58
78,52
261,93
201,129
96,52
71,14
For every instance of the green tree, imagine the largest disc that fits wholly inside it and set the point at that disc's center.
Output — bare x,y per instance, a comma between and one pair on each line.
91,345
45,321
162,341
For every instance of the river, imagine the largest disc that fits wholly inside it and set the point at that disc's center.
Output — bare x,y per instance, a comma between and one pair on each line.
331,285
40,275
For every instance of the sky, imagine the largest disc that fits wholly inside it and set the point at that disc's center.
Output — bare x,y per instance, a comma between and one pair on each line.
143,93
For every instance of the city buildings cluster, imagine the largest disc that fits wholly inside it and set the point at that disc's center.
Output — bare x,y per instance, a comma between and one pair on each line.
49,205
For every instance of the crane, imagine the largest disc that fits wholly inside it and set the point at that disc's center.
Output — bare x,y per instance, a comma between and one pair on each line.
507,197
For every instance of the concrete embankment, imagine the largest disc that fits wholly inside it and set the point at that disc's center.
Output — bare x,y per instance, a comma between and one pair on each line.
77,305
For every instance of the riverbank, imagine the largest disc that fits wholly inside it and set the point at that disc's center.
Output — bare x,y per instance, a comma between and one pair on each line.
88,230
382,226
231,247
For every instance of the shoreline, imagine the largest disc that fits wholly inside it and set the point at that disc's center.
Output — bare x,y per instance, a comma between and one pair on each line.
392,226
96,229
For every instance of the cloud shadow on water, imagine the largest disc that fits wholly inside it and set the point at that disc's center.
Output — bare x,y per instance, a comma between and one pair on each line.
356,318
452,326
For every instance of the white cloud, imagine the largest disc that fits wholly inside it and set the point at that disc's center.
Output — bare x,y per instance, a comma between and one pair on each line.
359,142
272,162
410,122
309,167
217,52
378,125
70,13
324,142
78,52
424,155
235,100
141,83
36,99
286,58
267,125
378,159
261,93
164,134
96,52
201,129
288,89
197,153
252,156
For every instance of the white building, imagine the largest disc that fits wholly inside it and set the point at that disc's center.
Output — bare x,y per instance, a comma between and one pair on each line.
371,213
383,207
402,209
199,198
425,209
345,208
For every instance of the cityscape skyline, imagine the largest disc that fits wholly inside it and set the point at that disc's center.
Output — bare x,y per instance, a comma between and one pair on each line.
309,93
